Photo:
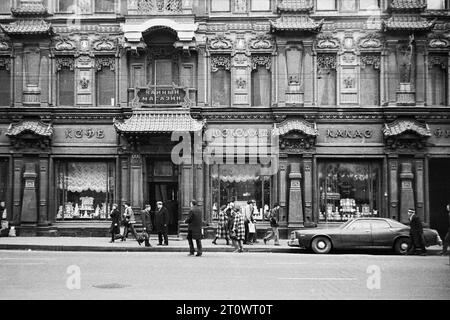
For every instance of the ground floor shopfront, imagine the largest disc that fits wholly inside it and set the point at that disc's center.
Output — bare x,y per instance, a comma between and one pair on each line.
65,180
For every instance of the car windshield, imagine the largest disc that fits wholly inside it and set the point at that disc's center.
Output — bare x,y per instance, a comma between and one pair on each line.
396,224
342,226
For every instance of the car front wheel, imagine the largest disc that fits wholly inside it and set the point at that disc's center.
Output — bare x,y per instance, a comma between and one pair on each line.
402,245
321,245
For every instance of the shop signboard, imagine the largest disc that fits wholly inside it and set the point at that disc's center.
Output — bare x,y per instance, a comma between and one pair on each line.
349,134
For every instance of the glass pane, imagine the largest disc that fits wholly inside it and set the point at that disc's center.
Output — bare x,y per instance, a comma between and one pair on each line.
220,5
261,81
369,4
5,6
327,87
66,5
436,4
85,190
104,5
260,5
379,225
106,87
163,168
348,5
438,79
66,87
359,225
5,87
326,4
221,88
370,86
163,72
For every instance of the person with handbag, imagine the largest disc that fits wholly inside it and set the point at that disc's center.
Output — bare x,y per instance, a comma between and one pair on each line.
115,223
273,218
222,226
238,230
129,222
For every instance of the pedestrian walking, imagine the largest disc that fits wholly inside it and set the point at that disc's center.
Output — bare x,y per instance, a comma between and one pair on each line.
194,221
446,242
416,233
252,225
238,230
230,213
115,223
162,223
148,226
222,226
128,222
273,217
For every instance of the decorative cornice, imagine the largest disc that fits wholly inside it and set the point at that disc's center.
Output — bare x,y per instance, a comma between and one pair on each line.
305,6
101,62
371,59
65,62
220,42
261,60
326,40
402,126
307,128
296,23
326,61
218,61
407,5
37,127
28,27
261,41
412,22
30,8
370,41
5,63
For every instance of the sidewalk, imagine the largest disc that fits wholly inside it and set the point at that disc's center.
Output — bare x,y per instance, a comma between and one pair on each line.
175,245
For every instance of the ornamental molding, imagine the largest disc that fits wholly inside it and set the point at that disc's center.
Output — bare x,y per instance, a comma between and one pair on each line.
261,41
220,61
4,45
105,44
65,62
441,60
101,62
327,41
370,41
326,61
65,44
220,42
371,59
5,63
261,60
439,41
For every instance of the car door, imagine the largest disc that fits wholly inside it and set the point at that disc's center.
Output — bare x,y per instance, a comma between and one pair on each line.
356,234
382,233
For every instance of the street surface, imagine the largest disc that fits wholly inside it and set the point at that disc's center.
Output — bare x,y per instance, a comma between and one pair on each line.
221,275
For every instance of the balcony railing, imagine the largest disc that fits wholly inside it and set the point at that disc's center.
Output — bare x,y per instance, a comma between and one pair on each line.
155,7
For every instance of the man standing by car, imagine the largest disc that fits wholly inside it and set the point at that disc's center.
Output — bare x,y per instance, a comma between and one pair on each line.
194,221
416,233
162,223
446,242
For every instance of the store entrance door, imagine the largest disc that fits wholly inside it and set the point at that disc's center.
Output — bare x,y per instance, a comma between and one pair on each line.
439,194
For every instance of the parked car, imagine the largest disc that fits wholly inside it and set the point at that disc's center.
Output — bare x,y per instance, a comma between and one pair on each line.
380,233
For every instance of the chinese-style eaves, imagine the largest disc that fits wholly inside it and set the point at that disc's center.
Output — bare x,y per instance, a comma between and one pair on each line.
402,126
295,6
37,128
406,16
408,5
304,127
296,23
159,121
30,9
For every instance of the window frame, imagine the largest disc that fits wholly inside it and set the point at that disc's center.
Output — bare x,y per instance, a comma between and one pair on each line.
260,10
114,7
58,95
215,11
322,10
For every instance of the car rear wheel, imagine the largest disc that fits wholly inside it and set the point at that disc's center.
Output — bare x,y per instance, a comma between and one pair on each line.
401,246
321,245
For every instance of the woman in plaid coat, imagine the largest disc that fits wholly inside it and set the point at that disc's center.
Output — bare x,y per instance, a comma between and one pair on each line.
238,230
222,226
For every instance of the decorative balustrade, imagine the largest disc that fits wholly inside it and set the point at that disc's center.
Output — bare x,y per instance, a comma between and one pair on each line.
156,7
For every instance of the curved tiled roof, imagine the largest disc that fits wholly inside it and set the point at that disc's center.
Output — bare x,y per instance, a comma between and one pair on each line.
295,6
407,23
36,127
148,121
30,9
399,127
408,5
296,23
27,27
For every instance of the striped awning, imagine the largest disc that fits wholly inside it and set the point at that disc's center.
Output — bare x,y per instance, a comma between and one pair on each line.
152,121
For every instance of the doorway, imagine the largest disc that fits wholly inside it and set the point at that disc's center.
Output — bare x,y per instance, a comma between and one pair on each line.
163,186
439,194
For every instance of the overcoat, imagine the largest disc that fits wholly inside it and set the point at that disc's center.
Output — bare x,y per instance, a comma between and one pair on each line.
115,221
239,226
222,225
146,220
161,219
194,221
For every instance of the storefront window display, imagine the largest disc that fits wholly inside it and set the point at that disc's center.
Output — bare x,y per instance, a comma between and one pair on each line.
242,182
348,190
85,190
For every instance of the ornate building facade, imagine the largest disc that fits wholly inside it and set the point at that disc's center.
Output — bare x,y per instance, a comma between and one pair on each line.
332,108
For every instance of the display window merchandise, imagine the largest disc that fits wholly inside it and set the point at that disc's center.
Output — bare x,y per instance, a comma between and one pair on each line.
85,190
348,190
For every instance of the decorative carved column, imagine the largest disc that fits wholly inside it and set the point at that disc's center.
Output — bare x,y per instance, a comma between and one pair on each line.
391,64
295,196
420,191
282,74
393,187
186,188
282,187
406,190
136,182
240,74
123,78
202,79
44,78
18,74
29,212
124,194
199,188
308,74
18,165
308,185
420,71
43,189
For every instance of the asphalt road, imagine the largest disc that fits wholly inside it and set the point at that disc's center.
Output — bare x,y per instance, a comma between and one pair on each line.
236,276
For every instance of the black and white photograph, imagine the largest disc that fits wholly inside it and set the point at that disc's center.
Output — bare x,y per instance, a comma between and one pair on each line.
226,156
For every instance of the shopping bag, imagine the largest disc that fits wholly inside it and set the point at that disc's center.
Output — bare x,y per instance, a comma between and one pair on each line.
5,224
251,227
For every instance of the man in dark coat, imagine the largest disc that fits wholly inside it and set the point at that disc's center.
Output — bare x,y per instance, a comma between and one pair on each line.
416,233
115,223
148,226
446,242
162,223
194,229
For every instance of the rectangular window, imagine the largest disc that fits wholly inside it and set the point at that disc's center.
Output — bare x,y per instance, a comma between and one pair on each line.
347,6
260,5
66,5
438,83
163,72
66,85
243,182
348,189
5,6
261,86
436,4
327,79
369,4
85,190
106,87
104,6
5,87
221,87
370,80
326,4
220,5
